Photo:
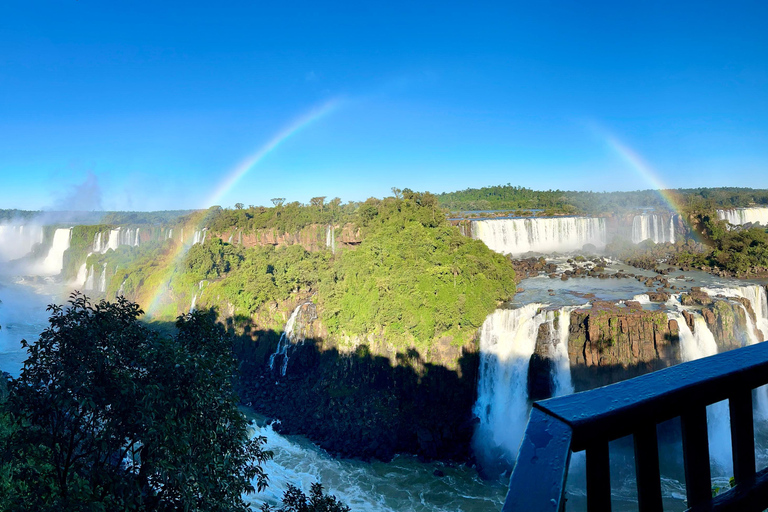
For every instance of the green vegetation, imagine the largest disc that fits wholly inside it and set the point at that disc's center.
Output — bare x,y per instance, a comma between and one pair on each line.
738,251
508,197
296,501
283,218
108,415
412,279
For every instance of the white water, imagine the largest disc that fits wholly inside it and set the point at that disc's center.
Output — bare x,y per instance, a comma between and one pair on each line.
543,235
507,341
287,338
651,226
16,241
694,345
401,485
54,261
330,238
755,294
739,216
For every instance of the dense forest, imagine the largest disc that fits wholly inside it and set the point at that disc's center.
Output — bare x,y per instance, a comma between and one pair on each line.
508,197
412,279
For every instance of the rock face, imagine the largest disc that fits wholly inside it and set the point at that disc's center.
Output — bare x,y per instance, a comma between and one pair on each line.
313,237
612,342
369,400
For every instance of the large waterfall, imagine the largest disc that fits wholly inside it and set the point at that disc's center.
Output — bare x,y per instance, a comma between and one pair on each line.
654,227
544,235
739,216
17,241
695,344
54,261
508,339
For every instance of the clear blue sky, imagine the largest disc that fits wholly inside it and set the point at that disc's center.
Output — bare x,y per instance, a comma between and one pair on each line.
151,105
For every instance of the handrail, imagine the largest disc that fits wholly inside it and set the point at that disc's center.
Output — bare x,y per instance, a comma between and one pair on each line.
589,420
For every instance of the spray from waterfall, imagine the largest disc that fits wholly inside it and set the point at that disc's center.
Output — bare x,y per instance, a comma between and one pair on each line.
508,339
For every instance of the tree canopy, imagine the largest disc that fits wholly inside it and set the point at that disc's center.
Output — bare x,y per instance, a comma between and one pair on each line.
109,415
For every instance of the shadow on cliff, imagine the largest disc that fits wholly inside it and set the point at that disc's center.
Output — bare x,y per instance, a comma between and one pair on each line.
359,404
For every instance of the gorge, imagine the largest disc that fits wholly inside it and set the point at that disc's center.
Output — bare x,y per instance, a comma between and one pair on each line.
382,330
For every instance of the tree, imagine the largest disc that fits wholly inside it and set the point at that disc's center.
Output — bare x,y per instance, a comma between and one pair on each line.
318,201
277,201
294,500
109,415
239,206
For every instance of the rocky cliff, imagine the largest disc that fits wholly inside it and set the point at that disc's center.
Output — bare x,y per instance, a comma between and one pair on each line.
610,342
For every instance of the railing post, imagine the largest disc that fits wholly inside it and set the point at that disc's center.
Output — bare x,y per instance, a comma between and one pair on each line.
598,478
698,479
742,435
647,469
538,480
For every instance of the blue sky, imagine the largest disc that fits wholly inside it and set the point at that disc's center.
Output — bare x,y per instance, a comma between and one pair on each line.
152,105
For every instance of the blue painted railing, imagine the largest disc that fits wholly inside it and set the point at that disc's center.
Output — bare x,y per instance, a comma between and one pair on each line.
587,421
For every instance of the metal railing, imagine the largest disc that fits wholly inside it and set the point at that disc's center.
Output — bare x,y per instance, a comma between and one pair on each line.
589,420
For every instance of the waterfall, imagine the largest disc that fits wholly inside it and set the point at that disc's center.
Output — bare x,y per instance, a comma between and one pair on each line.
54,261
192,305
18,241
287,338
694,345
90,277
671,229
508,339
199,237
114,240
103,280
739,216
82,275
757,297
651,226
330,238
136,240
97,242
543,235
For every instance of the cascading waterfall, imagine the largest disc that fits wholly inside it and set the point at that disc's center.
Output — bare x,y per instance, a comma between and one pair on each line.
651,226
287,338
758,298
694,345
103,280
90,278
54,261
114,240
739,216
199,237
196,295
507,342
330,238
18,241
543,235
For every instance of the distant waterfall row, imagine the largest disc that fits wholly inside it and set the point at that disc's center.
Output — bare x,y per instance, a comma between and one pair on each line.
115,238
739,216
542,235
653,227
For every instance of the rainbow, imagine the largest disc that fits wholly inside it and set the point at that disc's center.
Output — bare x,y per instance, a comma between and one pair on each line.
233,176
645,171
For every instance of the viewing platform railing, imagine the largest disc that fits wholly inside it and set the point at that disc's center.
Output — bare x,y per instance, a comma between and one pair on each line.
589,420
